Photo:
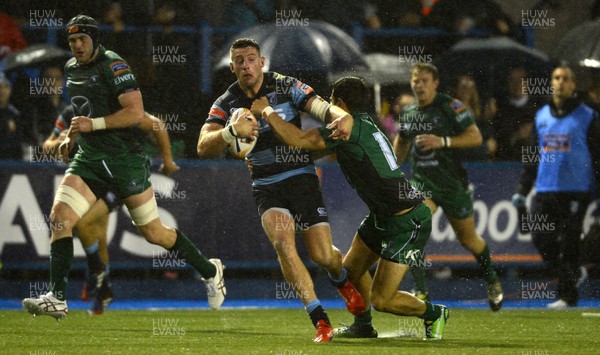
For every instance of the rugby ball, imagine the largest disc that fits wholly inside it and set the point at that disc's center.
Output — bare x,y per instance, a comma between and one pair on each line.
241,147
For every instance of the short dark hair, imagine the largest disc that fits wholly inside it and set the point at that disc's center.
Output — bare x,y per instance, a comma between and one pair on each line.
428,67
243,43
353,91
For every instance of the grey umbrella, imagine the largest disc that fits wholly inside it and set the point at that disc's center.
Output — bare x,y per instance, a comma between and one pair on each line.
318,47
34,55
580,46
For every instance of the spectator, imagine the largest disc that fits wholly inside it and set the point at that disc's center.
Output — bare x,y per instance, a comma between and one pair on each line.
592,97
248,13
400,13
464,15
10,124
513,117
389,123
114,17
341,13
464,89
11,38
44,105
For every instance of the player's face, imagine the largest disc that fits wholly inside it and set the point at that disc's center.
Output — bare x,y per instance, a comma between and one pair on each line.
563,84
247,65
82,47
424,87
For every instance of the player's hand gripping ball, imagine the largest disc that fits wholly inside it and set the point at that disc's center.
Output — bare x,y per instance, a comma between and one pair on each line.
241,147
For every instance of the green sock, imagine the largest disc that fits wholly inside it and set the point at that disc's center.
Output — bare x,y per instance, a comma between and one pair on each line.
432,311
187,251
485,260
61,257
364,319
418,273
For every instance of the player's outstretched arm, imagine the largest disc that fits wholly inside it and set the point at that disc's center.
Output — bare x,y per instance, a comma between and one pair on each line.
287,132
153,124
341,122
50,146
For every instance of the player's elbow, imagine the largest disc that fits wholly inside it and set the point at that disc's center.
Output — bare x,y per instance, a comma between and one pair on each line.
203,150
138,116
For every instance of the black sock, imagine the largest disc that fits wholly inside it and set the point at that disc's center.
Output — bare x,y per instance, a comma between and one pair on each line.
61,258
364,319
95,264
318,314
432,311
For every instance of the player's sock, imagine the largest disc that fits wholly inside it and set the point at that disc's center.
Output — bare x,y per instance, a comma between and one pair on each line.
186,250
485,260
316,312
364,319
340,280
61,257
432,311
95,264
420,279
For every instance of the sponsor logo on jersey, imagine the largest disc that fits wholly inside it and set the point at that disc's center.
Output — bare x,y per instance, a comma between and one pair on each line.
217,112
556,142
123,78
457,106
304,87
119,68
82,106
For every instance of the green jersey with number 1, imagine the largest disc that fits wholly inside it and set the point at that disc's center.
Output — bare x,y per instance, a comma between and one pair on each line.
369,163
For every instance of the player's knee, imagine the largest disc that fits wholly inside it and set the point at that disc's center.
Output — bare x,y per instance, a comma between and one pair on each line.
379,302
283,245
61,217
322,256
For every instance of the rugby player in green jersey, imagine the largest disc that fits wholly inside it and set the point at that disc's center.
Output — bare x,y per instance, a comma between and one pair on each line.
436,126
398,225
108,105
92,227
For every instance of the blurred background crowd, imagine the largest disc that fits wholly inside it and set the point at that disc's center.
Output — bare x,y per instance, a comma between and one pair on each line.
190,33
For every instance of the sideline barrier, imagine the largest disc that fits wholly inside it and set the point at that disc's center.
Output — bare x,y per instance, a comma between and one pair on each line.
211,201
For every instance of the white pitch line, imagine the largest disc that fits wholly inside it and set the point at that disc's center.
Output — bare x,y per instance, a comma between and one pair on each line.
590,314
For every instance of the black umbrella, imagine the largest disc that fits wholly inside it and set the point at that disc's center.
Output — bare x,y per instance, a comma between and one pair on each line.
580,46
312,53
489,61
35,55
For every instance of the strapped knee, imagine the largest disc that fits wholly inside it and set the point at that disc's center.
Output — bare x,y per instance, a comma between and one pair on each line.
71,197
145,213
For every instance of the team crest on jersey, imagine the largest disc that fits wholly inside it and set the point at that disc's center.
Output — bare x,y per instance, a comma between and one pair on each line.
82,106
272,97
119,68
94,79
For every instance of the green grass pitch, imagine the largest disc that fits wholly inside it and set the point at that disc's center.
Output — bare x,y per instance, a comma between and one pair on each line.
288,332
